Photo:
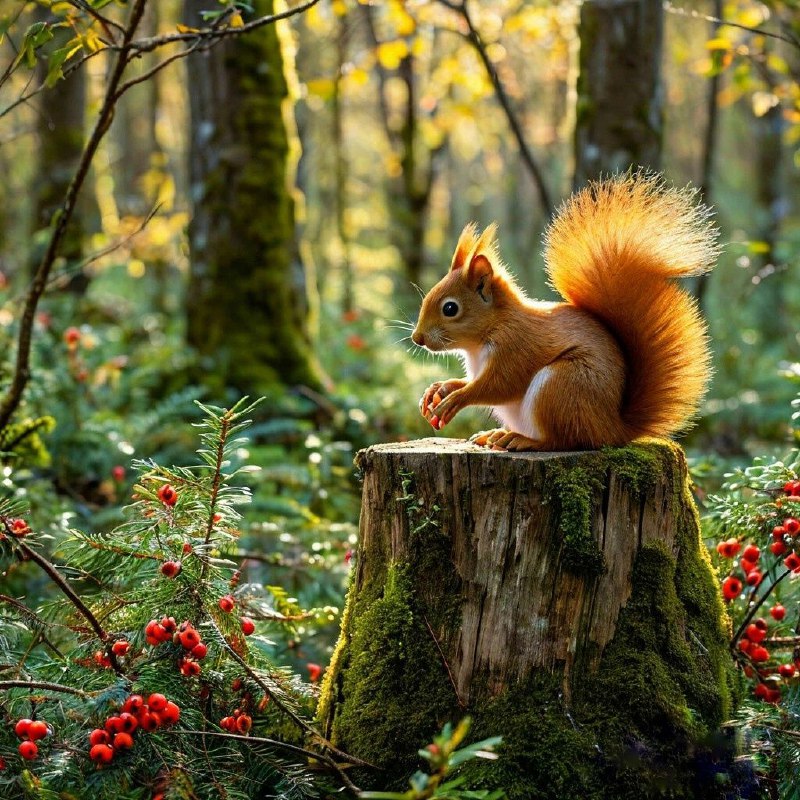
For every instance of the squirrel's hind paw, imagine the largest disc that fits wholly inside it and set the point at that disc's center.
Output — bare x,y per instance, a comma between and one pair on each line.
488,438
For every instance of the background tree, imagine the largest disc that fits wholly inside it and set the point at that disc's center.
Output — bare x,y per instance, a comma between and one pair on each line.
246,300
619,117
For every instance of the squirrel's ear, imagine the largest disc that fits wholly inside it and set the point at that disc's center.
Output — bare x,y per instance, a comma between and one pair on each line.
466,244
479,276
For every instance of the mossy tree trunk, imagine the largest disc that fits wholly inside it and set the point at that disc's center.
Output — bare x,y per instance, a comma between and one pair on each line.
60,133
563,600
619,121
247,298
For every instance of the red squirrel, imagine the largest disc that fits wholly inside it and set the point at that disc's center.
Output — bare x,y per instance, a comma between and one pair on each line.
626,355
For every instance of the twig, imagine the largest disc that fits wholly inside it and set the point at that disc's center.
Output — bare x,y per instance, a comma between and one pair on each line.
516,127
755,605
223,438
44,685
687,12
95,14
461,703
278,744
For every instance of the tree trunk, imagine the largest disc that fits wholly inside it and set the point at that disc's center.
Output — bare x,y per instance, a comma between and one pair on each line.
620,100
247,298
563,600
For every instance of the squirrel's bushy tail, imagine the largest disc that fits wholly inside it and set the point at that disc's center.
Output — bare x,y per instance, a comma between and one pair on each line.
613,250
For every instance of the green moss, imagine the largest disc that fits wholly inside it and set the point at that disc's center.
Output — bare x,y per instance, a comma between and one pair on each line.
398,694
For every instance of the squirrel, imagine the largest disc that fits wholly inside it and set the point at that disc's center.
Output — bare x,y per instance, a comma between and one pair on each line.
626,355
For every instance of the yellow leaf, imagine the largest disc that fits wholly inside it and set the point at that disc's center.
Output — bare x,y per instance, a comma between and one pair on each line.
236,21
186,28
321,87
718,44
403,22
339,8
390,54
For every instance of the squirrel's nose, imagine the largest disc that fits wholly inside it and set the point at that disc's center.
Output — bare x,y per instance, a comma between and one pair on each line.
418,338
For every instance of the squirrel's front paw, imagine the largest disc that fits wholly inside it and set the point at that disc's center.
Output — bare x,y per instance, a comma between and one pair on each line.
434,395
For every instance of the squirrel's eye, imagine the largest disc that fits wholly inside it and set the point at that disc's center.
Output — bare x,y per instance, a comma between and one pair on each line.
450,308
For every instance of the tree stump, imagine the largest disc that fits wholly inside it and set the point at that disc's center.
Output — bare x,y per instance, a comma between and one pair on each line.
562,600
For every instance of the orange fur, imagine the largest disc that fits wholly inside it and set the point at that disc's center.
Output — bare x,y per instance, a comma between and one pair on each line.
625,356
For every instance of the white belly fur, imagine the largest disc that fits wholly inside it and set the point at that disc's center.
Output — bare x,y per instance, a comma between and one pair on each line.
519,417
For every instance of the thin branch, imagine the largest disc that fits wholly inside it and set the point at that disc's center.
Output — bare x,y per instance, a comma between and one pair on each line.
158,67
291,748
57,578
44,685
106,22
227,418
505,102
687,12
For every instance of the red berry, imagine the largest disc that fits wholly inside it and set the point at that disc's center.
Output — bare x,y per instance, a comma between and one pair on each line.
2,763
248,626
227,603
761,691
72,335
778,532
759,654
123,741
792,526
243,723
189,638
227,723
171,713
723,550
118,473
778,548
774,696
747,566
157,702
22,727
786,670
751,553
731,587
120,647
792,562
99,736
761,623
236,684
128,722
148,721
777,612
170,569
114,724
133,704
28,750
101,753
37,730
753,578
167,495
314,672
189,668
19,528
168,624
792,487
187,548
745,645
755,634
200,651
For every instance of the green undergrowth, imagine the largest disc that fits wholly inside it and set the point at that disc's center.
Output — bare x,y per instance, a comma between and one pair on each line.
645,723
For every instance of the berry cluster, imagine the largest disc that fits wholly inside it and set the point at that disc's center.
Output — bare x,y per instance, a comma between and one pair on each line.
116,735
30,731
238,722
751,643
186,635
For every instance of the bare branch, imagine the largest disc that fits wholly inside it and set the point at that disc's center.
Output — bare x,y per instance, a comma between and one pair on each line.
505,101
44,685
106,22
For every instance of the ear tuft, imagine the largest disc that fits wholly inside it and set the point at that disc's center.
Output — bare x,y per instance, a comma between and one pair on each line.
466,245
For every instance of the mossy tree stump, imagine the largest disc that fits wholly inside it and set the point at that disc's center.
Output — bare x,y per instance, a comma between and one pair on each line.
563,600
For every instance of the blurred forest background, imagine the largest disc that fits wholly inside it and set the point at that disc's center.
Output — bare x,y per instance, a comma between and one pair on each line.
258,214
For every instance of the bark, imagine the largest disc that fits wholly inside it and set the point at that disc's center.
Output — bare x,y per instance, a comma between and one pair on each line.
61,133
620,100
564,601
247,298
